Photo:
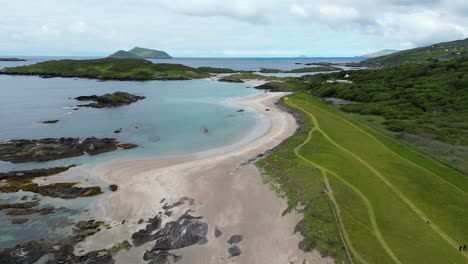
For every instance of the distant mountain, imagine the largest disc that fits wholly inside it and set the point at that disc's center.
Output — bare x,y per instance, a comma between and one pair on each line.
122,54
150,53
141,53
437,52
379,53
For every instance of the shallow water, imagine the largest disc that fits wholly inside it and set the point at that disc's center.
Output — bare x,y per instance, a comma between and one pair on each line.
168,122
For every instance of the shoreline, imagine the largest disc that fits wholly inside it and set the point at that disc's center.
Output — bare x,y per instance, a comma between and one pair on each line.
227,192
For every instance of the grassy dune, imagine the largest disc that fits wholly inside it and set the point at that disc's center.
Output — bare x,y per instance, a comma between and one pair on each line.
392,204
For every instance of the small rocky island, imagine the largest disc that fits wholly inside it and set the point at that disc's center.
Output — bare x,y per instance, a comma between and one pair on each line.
110,100
11,59
39,150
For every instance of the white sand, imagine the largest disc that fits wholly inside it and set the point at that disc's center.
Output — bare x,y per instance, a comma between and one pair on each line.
229,197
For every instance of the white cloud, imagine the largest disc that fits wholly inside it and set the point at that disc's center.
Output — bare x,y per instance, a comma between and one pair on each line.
338,13
298,10
412,23
258,11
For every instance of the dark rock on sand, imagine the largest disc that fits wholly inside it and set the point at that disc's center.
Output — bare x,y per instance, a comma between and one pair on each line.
113,187
117,131
235,239
234,251
186,231
39,150
217,232
145,235
110,100
161,257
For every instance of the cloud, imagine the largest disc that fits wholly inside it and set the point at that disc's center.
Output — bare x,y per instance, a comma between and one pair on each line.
411,22
258,11
298,10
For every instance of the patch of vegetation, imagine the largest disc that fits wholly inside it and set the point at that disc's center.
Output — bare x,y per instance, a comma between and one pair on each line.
382,191
150,53
124,245
112,68
430,100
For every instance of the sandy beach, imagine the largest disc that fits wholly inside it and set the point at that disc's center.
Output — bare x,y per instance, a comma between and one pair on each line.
232,198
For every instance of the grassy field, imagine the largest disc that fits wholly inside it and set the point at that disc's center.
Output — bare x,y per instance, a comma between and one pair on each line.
388,202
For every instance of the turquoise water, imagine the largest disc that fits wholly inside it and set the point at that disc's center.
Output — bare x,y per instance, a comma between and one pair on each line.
168,122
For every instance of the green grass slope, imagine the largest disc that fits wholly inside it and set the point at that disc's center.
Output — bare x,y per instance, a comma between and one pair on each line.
113,68
122,54
149,53
423,104
392,204
436,52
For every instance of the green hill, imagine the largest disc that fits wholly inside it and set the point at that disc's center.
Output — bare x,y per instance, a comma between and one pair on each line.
436,52
122,54
149,53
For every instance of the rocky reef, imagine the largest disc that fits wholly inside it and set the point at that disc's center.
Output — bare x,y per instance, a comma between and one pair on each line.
62,251
23,180
110,100
39,150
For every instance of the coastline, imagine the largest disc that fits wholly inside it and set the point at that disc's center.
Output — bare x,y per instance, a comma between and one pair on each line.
229,197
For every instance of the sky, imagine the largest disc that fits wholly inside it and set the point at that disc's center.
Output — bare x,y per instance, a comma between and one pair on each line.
221,28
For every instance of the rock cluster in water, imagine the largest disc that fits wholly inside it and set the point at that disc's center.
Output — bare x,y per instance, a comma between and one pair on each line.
110,100
39,150
60,252
15,181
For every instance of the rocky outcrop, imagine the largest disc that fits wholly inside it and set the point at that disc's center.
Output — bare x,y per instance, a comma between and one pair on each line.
15,181
39,150
110,100
38,252
145,235
235,239
184,232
